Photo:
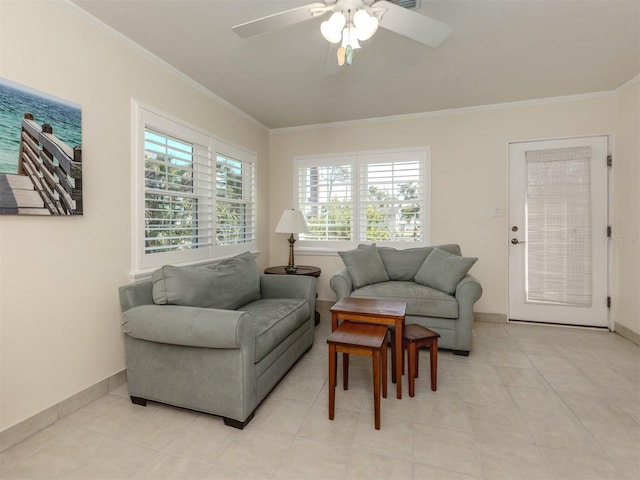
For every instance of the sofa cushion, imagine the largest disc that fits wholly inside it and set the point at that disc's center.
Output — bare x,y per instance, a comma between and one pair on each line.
364,265
443,270
421,300
226,285
275,319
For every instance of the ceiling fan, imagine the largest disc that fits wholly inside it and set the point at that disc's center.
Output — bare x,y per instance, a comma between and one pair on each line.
353,21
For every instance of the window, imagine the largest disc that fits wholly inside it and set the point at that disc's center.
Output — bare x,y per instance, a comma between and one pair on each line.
366,197
179,218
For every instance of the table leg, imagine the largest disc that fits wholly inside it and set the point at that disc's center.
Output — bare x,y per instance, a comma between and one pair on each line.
383,360
433,352
332,380
399,355
412,361
376,387
345,371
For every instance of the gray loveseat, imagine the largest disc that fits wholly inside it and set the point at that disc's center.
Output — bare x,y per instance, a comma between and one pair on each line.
215,339
432,280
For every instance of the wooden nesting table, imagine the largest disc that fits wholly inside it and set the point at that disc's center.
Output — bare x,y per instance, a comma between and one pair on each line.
375,311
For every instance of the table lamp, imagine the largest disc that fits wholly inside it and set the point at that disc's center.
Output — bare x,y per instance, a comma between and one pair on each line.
291,221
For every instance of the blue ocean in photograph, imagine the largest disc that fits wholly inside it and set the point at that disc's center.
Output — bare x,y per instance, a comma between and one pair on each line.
16,100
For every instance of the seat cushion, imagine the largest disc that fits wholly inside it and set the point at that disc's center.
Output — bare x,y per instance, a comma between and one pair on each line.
421,300
275,319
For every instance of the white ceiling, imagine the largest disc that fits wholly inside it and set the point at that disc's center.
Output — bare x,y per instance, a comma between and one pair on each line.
499,51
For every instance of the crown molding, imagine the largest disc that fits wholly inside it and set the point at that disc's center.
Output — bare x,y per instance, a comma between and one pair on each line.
628,84
100,25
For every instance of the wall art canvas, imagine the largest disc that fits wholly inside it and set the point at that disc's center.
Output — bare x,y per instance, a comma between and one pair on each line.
40,152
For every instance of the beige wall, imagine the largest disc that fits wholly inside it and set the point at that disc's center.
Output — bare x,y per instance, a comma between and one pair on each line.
59,310
468,173
626,201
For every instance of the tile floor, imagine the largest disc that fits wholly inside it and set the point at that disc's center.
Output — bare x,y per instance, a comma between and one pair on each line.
530,402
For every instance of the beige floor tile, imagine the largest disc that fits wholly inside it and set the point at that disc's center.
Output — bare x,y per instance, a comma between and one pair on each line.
395,438
281,414
25,449
310,460
539,403
580,384
502,461
498,425
515,359
622,443
340,430
522,377
629,470
485,393
299,387
427,472
441,411
553,364
205,439
566,433
256,452
171,467
447,449
596,409
577,466
357,398
371,466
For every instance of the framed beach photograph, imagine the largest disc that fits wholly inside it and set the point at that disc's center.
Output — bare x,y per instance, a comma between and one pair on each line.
40,152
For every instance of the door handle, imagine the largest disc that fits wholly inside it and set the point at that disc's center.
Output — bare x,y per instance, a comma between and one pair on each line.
515,241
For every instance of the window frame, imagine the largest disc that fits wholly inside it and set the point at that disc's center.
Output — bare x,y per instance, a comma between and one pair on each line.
147,118
357,160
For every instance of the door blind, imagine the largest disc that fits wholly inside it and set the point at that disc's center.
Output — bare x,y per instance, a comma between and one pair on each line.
558,216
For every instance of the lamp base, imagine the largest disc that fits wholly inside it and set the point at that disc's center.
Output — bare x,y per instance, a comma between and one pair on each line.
291,269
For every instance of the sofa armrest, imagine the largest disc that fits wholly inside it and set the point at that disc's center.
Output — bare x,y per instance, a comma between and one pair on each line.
134,294
289,286
468,290
189,326
341,284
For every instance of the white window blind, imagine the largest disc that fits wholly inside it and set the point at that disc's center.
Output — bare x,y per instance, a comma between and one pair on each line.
235,206
391,199
194,195
559,250
364,197
177,194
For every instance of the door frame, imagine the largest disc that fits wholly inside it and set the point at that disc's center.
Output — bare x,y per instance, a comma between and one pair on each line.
610,222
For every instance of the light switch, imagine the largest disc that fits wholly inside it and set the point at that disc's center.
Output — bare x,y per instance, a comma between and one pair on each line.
496,211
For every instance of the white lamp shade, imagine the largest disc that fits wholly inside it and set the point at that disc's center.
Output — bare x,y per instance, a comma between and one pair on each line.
366,24
292,221
332,29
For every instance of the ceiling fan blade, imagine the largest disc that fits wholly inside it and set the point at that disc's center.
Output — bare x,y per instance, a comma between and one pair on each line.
412,24
277,20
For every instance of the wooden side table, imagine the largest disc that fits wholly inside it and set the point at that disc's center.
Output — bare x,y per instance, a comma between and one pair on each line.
307,270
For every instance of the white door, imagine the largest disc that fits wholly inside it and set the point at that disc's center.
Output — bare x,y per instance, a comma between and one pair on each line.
558,231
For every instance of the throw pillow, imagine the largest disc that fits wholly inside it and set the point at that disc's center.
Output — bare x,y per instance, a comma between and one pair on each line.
227,285
443,270
364,265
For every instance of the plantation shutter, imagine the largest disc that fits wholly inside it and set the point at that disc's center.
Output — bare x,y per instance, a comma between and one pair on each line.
392,195
325,198
177,194
235,205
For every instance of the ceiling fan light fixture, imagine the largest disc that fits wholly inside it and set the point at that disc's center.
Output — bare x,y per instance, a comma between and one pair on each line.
350,37
366,24
332,29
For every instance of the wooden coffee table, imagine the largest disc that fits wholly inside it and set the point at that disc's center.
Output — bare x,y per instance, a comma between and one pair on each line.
374,311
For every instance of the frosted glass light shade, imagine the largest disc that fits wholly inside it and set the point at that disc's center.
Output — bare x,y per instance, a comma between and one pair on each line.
332,29
292,221
366,24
